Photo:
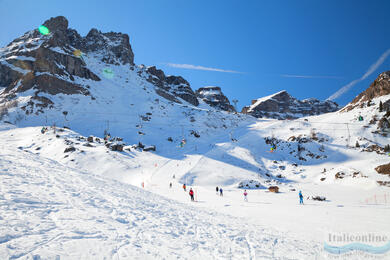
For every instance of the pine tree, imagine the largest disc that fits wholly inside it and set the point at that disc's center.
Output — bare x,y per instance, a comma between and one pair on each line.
357,145
380,106
387,148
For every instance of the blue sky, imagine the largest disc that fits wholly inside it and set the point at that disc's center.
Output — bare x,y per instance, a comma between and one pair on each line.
309,48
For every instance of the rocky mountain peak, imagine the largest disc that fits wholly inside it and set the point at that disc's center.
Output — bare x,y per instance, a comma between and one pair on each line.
55,24
380,87
213,96
282,105
170,87
115,46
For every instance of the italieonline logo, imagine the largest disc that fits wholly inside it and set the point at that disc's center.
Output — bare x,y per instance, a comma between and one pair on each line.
370,243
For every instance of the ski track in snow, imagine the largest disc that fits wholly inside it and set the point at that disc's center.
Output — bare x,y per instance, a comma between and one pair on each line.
55,212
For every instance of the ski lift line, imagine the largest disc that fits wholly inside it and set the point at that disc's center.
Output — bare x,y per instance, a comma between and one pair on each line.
163,117
156,124
127,116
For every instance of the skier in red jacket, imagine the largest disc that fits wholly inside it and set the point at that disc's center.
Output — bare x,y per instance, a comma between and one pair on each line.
192,194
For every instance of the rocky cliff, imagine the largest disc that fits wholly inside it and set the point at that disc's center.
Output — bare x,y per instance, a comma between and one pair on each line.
283,106
380,87
214,97
55,63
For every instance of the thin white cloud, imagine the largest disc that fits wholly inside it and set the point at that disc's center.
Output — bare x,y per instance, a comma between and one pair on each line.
370,70
309,76
197,67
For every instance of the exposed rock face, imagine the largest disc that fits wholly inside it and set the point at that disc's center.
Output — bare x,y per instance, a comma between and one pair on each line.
55,64
380,87
283,106
383,169
44,63
215,98
115,46
171,87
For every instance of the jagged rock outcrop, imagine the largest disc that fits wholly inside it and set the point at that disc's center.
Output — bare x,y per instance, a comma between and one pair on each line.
283,106
380,87
214,97
44,63
56,63
114,47
171,87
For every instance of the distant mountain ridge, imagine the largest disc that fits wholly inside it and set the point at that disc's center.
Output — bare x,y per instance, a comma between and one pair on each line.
282,105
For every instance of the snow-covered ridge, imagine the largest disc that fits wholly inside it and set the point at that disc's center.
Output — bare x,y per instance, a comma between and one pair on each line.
282,105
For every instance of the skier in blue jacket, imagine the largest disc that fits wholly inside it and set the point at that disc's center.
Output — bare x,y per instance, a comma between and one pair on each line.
300,197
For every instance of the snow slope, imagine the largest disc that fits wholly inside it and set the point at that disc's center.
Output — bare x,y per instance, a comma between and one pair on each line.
52,211
91,184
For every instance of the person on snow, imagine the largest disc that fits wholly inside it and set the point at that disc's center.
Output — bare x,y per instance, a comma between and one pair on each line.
245,195
300,197
174,176
184,187
192,194
43,130
216,190
221,192
170,185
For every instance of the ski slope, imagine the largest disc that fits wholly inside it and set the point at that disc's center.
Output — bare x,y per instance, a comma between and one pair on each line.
51,211
89,203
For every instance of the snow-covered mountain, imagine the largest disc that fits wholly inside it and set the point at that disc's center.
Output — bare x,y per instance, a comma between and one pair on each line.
282,105
91,84
377,96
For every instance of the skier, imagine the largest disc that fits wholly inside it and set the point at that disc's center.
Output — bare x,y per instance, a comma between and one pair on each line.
220,192
174,176
300,197
184,187
192,194
170,185
216,190
245,194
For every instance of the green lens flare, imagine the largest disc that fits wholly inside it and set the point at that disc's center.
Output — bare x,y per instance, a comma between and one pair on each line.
43,30
108,73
